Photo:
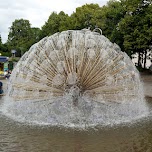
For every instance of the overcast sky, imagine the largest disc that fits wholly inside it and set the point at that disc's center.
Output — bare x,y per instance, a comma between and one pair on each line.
36,11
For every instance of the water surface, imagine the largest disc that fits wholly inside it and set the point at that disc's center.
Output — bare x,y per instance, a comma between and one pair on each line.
133,137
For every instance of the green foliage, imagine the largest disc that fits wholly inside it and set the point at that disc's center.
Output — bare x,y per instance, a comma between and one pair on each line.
56,23
125,22
136,26
108,20
0,40
85,16
19,32
22,36
4,49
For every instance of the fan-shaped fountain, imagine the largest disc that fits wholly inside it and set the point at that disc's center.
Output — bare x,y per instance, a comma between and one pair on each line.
75,78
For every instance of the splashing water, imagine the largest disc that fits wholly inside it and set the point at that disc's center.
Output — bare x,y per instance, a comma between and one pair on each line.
75,79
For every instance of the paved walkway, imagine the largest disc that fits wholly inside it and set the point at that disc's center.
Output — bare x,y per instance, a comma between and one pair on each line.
147,84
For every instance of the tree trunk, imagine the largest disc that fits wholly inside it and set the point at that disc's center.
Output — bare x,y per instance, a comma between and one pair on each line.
145,58
139,59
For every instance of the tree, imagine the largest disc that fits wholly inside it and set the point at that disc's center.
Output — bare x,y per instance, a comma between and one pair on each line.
56,23
1,45
19,34
4,48
108,20
35,36
136,27
85,16
0,40
22,36
64,22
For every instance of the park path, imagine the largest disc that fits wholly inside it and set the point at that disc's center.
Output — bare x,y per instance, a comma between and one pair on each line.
147,84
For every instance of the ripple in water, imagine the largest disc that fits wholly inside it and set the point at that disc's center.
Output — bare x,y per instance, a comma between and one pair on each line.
62,113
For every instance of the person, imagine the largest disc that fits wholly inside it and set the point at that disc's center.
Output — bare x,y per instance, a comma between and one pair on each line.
5,73
9,74
1,87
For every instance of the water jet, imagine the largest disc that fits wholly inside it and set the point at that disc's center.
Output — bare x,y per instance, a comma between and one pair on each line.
75,78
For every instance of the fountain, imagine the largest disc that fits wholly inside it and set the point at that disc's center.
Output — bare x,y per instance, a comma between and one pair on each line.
76,78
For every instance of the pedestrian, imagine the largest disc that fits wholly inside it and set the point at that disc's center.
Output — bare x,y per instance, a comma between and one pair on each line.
5,74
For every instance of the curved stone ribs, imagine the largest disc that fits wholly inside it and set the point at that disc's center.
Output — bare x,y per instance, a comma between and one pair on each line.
85,60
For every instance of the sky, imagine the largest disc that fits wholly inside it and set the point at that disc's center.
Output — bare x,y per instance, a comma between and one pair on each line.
36,11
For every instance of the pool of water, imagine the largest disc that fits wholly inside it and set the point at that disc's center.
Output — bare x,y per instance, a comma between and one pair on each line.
133,137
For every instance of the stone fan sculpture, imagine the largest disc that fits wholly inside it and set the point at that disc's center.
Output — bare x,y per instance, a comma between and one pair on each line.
77,62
